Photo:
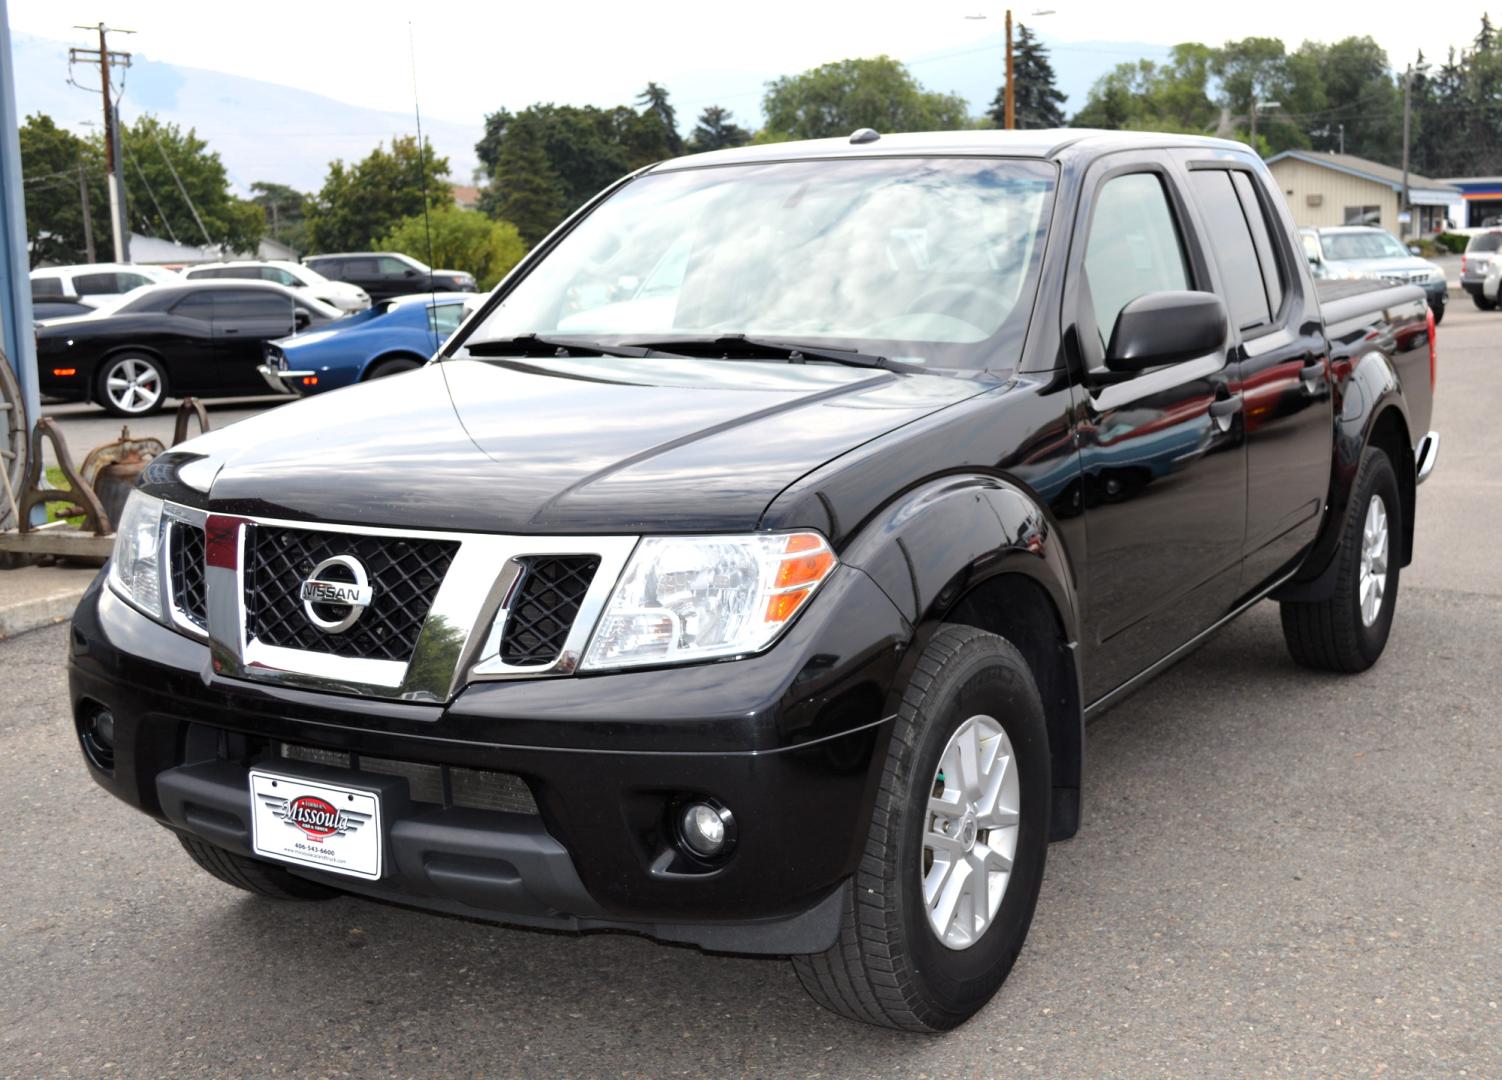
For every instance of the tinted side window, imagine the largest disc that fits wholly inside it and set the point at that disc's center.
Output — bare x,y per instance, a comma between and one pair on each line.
1134,247
1262,237
1230,237
445,318
124,282
232,304
358,268
198,306
278,275
46,286
393,266
105,284
1485,242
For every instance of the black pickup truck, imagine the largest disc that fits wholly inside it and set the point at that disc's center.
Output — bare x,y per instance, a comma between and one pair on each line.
744,570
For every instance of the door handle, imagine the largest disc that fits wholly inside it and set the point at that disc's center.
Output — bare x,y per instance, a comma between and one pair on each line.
229,330
1224,411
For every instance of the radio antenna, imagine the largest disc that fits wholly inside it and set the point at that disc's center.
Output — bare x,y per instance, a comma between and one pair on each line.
422,168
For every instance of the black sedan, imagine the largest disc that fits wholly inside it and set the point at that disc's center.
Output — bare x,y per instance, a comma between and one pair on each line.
200,338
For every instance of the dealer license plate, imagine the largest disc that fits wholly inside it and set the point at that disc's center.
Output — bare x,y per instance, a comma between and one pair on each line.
311,823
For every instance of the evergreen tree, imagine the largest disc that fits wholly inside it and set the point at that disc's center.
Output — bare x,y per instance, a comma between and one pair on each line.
654,103
1038,101
716,131
527,190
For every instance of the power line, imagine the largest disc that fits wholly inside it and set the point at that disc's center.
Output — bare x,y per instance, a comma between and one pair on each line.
147,185
184,191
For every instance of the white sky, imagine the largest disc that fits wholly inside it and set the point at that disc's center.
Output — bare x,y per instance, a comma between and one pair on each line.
472,57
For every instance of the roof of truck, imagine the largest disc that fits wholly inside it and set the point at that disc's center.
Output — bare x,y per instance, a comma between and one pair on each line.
1040,144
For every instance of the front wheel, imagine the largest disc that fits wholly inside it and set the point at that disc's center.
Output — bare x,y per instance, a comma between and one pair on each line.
1439,313
1348,631
132,385
953,861
393,366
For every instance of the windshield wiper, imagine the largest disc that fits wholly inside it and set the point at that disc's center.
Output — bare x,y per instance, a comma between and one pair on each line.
729,346
537,346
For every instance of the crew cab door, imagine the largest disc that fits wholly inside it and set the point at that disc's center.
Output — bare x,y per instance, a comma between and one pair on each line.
1162,459
243,320
1284,361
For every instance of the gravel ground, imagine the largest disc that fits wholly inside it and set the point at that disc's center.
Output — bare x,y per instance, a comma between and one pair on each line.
1280,873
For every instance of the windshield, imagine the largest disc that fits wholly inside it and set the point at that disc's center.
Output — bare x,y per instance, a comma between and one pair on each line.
919,259
1490,241
1363,245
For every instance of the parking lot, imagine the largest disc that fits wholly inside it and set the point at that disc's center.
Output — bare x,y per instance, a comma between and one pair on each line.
1280,873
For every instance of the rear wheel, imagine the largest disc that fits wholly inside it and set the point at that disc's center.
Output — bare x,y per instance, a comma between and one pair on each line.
252,876
1482,302
1348,631
954,853
132,384
394,365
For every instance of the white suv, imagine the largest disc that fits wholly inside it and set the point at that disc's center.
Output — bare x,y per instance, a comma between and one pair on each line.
93,284
347,298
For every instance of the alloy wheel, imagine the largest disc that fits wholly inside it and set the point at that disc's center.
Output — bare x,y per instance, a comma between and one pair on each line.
1373,578
134,386
970,832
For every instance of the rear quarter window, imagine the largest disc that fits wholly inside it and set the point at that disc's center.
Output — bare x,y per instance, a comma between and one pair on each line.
46,286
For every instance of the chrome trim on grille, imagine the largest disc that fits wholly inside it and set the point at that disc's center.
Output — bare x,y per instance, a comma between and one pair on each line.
459,641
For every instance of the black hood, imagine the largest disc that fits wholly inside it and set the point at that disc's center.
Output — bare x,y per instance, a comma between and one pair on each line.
556,446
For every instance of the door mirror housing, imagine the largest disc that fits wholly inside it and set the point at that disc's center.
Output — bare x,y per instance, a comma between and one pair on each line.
409,272
1413,249
302,320
1166,328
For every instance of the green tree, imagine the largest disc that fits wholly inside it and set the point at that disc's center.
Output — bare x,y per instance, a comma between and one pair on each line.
176,186
1148,96
653,102
1037,100
836,99
460,240
286,212
544,162
363,201
50,158
716,131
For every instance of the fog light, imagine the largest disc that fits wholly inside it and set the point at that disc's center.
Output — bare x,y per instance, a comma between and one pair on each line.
96,730
706,829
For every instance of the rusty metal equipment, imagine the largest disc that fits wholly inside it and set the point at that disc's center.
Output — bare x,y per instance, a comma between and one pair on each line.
112,470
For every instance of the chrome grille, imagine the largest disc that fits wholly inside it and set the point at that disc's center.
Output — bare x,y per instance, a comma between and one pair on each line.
547,600
404,574
441,785
185,543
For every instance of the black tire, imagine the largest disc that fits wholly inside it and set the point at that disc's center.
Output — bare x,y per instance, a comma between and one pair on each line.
394,365
142,362
1330,634
889,967
1482,302
260,878
1439,313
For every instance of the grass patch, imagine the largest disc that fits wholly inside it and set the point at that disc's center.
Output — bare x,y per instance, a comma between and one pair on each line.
58,511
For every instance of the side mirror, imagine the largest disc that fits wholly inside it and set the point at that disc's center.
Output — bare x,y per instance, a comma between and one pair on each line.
409,272
302,320
1413,249
1165,328
1314,259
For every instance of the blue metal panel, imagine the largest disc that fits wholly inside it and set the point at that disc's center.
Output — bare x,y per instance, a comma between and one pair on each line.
15,279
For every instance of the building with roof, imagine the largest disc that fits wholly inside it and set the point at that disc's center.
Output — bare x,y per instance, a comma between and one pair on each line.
1480,201
1342,189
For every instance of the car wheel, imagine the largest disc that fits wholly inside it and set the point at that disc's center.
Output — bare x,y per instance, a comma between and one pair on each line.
260,878
1482,302
132,385
1348,631
1439,313
394,366
954,852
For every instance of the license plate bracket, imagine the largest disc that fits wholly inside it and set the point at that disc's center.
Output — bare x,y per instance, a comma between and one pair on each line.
318,824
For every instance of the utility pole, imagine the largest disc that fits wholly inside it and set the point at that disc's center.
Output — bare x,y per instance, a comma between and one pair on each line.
1404,208
114,172
1253,134
88,216
1342,136
1010,111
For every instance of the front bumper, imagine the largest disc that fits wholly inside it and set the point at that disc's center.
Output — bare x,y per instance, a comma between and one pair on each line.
791,741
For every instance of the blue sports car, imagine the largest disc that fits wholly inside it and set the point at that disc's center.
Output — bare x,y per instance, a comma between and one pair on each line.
392,336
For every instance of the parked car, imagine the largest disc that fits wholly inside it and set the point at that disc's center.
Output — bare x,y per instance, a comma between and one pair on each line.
386,274
770,625
337,294
392,337
1483,254
93,284
201,338
1351,252
58,309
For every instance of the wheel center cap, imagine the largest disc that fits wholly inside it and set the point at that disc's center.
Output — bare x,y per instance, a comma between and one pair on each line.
968,831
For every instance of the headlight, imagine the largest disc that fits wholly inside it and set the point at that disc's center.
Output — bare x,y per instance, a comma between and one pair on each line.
696,597
135,569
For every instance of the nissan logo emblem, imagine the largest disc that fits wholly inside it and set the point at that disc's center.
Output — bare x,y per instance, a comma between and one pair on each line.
336,592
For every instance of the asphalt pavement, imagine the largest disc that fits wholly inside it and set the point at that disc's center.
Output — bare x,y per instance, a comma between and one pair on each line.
86,426
1280,873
